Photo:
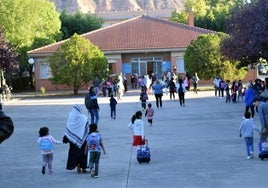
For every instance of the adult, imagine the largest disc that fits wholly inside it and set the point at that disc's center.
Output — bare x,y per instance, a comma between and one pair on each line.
76,132
125,82
249,98
153,78
104,88
216,83
262,109
195,80
94,110
181,89
240,90
96,84
188,79
222,86
169,74
109,86
234,89
158,93
257,87
6,126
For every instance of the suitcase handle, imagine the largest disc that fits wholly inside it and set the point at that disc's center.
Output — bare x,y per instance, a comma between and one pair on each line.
145,143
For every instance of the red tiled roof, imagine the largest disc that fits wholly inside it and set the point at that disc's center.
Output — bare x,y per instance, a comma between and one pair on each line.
140,33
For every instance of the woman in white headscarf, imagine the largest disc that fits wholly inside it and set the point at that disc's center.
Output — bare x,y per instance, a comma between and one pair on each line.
75,134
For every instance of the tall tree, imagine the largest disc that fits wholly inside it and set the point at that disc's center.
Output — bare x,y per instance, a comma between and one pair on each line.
204,56
209,14
248,29
29,24
8,58
77,62
78,23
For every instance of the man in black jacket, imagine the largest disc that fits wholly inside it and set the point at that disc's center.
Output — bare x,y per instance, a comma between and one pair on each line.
6,126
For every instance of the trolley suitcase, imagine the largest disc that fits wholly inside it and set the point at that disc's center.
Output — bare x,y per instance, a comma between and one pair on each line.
263,149
143,153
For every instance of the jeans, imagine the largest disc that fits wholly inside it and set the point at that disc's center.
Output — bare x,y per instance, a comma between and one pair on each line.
228,97
113,112
181,98
217,90
94,114
94,160
249,145
158,101
252,110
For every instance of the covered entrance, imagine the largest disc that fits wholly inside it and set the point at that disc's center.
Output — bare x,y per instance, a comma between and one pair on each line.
147,66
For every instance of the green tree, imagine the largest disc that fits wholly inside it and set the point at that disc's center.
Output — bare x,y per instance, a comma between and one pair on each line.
29,24
208,14
78,23
77,62
204,56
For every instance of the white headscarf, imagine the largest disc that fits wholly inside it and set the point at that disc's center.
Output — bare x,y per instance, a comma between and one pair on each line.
77,126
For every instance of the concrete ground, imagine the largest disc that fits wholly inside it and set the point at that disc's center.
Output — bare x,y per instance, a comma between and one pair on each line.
192,146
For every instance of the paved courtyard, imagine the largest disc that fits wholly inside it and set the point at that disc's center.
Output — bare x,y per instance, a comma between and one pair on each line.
192,146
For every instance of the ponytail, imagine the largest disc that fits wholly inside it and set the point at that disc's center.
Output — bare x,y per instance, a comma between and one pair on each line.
137,115
133,118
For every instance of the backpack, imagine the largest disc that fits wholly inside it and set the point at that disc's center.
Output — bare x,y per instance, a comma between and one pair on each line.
226,88
180,90
88,102
93,142
46,144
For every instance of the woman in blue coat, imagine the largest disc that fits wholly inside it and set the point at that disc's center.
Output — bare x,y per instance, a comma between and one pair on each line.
249,98
158,93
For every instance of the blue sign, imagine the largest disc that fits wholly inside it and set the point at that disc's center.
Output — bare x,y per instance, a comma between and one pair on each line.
126,67
166,65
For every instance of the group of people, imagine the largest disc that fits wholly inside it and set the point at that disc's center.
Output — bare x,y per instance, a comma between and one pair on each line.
117,86
82,135
234,91
255,100
180,87
85,144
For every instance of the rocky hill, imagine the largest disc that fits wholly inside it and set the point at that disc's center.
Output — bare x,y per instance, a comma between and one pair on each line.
93,6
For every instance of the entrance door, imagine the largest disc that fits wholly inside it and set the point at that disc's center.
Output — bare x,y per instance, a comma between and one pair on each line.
150,67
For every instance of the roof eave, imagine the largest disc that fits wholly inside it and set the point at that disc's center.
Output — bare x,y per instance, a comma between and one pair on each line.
156,50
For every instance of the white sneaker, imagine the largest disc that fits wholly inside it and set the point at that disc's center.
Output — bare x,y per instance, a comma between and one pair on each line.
251,155
248,157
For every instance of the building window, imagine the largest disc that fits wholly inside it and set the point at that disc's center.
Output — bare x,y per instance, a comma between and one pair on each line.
180,65
45,71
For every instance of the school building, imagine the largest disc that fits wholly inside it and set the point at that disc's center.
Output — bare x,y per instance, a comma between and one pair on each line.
142,45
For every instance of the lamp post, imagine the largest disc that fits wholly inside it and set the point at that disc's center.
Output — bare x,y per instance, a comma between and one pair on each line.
31,62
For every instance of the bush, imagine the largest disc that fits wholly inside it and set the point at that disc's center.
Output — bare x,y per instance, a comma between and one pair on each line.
42,90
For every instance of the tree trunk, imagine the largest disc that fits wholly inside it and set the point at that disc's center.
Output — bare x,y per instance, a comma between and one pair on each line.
76,89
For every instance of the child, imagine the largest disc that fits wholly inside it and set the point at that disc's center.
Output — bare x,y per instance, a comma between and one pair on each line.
93,148
247,126
113,104
46,142
137,126
149,114
143,98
